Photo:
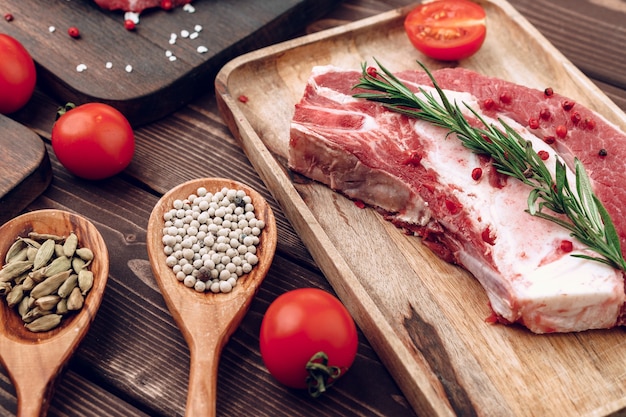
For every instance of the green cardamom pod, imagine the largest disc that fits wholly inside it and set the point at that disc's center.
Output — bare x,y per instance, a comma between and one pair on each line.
70,244
28,283
20,256
85,280
50,284
85,254
38,275
33,314
17,247
44,277
60,264
14,297
14,269
44,254
31,242
22,307
47,302
62,306
75,300
44,236
31,252
66,288
77,264
45,323
58,250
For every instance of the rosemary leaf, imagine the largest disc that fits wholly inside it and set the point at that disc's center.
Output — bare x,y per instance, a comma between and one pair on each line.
550,198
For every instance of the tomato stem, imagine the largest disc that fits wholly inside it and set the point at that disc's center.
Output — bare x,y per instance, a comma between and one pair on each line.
321,376
62,110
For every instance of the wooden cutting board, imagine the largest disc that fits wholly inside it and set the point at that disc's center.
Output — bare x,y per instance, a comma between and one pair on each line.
25,170
156,86
424,317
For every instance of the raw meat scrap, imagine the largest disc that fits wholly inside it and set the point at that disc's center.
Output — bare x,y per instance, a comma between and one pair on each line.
422,181
136,6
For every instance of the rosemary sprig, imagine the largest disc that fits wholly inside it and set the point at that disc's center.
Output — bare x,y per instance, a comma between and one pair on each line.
587,219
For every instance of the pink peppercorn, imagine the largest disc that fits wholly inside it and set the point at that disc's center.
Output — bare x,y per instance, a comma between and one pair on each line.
73,32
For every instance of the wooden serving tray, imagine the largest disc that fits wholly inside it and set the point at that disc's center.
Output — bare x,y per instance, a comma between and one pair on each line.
25,170
424,317
156,86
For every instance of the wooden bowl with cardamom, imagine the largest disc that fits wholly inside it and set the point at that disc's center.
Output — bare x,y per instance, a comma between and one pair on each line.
34,359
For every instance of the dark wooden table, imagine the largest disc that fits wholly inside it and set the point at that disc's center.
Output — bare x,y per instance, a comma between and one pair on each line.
134,361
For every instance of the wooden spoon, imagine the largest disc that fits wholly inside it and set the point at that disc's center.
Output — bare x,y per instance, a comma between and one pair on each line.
206,319
34,360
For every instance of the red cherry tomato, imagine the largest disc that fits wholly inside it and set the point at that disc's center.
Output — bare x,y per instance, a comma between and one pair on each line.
308,327
447,30
17,75
93,141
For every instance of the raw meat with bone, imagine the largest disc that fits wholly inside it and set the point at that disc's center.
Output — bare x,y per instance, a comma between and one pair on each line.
136,6
422,181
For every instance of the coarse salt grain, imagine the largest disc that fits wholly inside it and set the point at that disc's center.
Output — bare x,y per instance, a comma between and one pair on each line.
202,49
108,65
170,55
184,33
81,67
197,28
132,16
129,68
193,35
51,29
189,8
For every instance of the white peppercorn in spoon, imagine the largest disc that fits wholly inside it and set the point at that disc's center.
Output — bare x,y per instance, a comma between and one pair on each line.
34,360
207,319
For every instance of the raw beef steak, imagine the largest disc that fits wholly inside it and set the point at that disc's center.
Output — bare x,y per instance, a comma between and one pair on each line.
429,184
136,5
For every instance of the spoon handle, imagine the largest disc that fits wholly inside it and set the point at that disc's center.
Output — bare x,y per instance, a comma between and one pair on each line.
33,398
202,390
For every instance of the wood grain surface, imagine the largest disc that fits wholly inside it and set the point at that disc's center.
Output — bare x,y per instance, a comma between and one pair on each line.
156,86
425,318
25,170
134,361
